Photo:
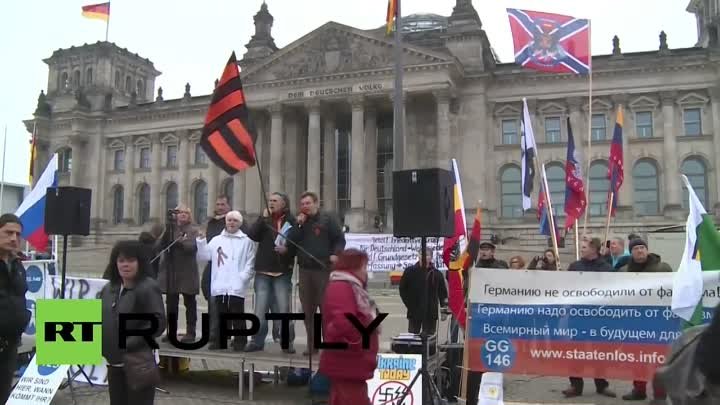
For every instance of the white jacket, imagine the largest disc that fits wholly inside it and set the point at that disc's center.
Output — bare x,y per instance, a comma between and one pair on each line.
233,262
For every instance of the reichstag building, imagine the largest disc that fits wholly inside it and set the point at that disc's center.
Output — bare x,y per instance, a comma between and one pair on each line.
323,110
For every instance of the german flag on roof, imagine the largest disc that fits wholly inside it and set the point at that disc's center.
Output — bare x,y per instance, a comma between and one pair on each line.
228,136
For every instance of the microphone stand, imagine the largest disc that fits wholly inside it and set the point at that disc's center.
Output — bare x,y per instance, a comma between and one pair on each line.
168,248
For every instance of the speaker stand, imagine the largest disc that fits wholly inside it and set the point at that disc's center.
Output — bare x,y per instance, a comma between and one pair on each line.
63,274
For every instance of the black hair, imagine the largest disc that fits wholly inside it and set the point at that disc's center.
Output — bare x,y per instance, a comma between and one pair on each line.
130,249
10,219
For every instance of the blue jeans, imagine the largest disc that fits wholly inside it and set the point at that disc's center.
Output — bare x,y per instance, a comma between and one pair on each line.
272,293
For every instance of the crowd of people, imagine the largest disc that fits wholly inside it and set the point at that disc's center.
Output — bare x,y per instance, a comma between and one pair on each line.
332,279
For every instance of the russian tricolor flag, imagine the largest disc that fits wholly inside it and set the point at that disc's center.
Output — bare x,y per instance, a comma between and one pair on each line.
32,209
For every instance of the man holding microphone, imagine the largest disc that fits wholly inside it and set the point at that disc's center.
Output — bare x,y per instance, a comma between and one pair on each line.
321,239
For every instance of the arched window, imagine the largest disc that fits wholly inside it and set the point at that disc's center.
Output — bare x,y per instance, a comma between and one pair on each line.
599,186
227,189
171,196
128,85
76,78
511,192
88,77
140,88
556,184
65,160
117,206
696,171
64,84
143,204
200,202
118,81
645,180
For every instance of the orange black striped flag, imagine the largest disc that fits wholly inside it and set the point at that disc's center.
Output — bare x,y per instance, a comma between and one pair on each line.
97,11
391,15
228,136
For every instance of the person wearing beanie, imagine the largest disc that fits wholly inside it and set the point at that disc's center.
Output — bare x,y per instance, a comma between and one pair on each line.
590,260
232,257
642,261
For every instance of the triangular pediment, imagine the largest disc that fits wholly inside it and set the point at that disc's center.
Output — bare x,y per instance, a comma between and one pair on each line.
334,49
692,99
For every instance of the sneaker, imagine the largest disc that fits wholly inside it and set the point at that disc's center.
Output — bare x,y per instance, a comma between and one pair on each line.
253,347
635,396
571,393
607,392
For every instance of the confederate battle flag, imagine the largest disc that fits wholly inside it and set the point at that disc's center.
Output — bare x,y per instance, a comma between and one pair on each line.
551,43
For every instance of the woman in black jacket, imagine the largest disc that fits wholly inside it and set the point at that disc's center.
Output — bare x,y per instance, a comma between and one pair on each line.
132,371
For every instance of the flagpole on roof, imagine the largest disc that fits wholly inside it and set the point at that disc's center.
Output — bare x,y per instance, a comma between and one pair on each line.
107,24
398,101
589,148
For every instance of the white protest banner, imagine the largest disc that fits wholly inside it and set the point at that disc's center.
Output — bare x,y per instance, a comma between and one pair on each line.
388,253
393,375
38,384
35,275
586,324
80,288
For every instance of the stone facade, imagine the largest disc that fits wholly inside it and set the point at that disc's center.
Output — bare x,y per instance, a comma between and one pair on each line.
322,106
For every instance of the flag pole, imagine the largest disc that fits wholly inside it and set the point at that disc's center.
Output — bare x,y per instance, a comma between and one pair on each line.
589,149
107,24
577,240
553,231
398,102
611,200
2,185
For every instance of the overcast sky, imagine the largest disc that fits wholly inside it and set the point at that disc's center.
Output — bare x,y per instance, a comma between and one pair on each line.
190,41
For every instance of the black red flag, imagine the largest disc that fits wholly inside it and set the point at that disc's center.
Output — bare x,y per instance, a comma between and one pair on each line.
228,137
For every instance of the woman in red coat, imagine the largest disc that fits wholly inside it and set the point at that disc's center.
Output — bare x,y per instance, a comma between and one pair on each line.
348,370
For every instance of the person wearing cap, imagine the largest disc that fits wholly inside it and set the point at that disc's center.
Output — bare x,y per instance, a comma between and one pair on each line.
232,254
590,260
486,257
642,261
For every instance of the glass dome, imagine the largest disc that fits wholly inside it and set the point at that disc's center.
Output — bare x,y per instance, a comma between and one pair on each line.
424,22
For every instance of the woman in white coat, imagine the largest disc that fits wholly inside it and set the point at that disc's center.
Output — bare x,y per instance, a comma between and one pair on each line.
232,254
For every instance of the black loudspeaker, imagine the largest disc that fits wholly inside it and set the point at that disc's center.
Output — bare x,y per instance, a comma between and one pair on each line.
423,203
67,211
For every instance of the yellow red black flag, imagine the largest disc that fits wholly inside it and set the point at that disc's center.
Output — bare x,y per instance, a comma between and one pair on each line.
228,137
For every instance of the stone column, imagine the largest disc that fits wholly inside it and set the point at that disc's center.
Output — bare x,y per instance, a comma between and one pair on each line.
213,180
671,174
715,103
129,186
98,176
357,165
442,98
156,179
371,200
251,187
183,169
314,139
276,148
291,147
77,146
239,191
408,161
329,163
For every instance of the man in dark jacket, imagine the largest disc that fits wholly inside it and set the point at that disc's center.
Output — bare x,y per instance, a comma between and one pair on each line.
150,240
13,286
486,257
322,239
274,262
590,260
642,261
423,290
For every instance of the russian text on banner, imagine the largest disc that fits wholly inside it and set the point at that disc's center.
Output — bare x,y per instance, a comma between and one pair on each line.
586,324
